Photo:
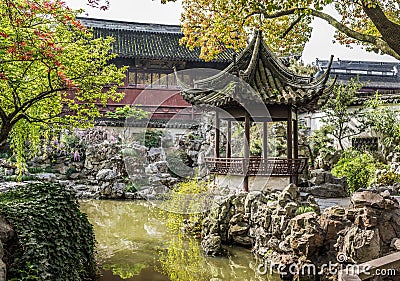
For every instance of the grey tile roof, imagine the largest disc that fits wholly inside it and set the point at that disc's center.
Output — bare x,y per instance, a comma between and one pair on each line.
148,40
375,75
267,75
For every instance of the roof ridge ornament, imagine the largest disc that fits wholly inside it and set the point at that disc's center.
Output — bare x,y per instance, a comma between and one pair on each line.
246,74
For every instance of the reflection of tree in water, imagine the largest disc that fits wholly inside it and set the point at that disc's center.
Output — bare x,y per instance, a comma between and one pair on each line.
126,270
128,234
183,260
132,237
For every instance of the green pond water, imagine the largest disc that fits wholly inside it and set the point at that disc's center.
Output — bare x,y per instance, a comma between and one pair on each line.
134,245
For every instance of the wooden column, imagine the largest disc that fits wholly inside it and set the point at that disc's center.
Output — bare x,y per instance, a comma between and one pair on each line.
289,137
265,140
296,145
296,137
246,150
229,140
217,135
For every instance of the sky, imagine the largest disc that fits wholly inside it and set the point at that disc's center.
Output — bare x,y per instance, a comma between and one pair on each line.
320,46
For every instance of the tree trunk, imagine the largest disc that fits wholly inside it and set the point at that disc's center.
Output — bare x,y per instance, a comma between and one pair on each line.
4,132
388,29
340,144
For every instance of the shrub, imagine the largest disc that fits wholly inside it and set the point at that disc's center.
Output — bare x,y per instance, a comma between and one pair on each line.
55,240
70,171
358,168
152,138
35,170
304,209
128,111
19,178
388,178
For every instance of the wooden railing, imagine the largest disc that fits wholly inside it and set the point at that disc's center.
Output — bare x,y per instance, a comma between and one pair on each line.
256,166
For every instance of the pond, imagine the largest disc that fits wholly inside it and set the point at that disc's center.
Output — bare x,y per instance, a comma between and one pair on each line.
134,245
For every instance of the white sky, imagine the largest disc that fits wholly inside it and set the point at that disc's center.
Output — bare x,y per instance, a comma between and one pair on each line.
152,11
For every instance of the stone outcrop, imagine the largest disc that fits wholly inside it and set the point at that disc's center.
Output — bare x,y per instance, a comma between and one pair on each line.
101,166
324,185
7,241
257,219
107,170
281,227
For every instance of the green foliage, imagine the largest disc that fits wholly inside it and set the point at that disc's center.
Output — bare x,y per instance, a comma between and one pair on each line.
358,168
29,273
182,256
298,66
125,271
48,169
131,187
70,171
187,202
210,24
56,241
128,112
5,155
19,178
304,209
338,112
152,138
320,144
385,122
388,178
35,170
50,64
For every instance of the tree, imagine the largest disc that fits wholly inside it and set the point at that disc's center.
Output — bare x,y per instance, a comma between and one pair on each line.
52,72
342,121
384,121
214,24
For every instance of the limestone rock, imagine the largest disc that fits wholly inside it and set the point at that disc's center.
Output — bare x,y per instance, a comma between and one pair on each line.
211,245
324,185
105,174
327,190
288,194
156,154
360,245
6,231
368,199
46,177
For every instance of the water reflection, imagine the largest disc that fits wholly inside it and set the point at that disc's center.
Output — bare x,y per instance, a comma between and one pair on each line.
134,245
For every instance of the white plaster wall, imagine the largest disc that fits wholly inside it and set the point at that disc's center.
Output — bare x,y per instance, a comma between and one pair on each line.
235,183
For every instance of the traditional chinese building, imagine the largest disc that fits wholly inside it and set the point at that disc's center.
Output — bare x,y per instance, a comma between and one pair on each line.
381,77
377,77
274,94
151,51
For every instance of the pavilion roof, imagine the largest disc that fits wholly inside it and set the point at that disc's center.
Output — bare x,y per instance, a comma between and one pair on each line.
267,75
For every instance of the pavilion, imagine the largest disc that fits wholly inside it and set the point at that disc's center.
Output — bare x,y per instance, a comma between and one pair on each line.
276,94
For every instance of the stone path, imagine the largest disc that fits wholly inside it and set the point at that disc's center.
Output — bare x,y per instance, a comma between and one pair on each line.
330,202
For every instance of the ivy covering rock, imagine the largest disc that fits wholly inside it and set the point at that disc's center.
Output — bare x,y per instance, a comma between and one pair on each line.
55,240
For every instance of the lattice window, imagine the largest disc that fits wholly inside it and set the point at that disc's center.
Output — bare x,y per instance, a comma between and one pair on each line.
365,143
